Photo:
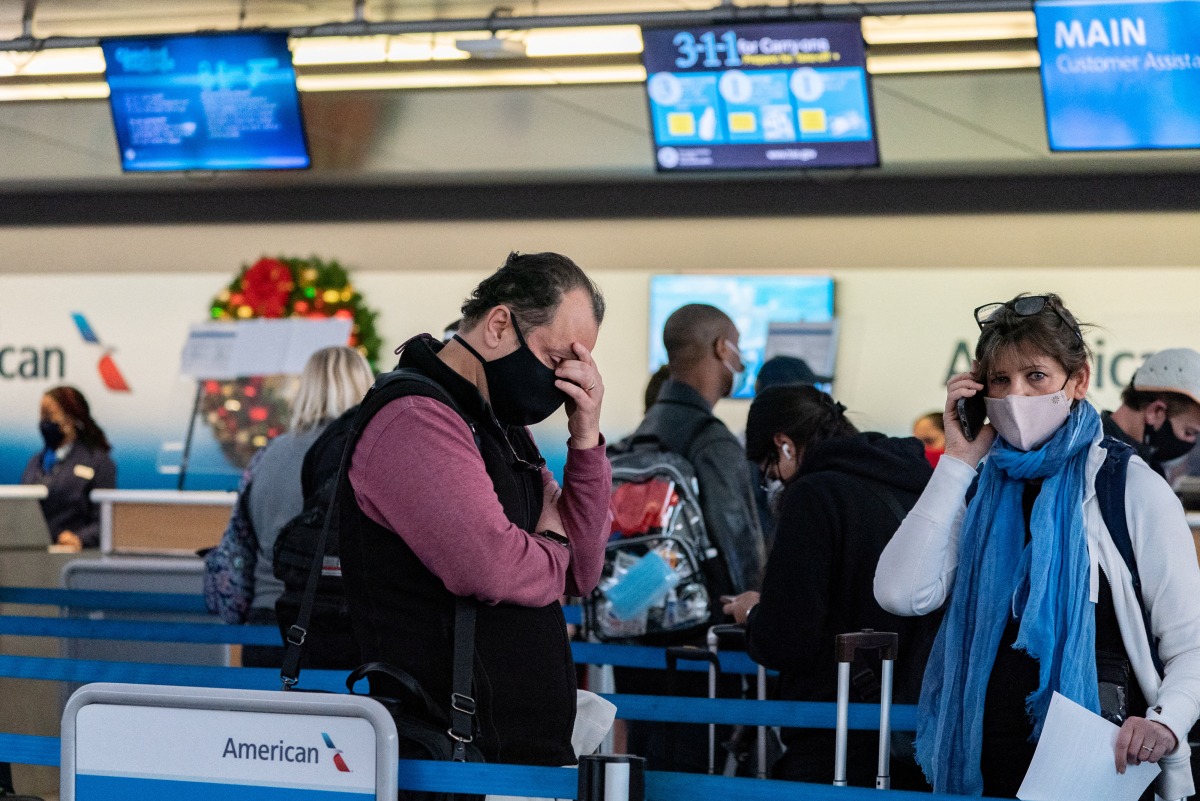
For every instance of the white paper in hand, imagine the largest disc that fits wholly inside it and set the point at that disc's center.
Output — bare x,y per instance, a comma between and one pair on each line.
1074,760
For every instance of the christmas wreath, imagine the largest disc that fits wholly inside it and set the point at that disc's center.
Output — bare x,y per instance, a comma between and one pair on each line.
247,412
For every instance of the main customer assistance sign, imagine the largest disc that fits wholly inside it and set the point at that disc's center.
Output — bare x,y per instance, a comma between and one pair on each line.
1120,75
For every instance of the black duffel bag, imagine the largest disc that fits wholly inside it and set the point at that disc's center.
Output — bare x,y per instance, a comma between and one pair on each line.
417,718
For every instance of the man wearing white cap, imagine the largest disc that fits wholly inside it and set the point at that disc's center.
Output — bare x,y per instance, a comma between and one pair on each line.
1160,409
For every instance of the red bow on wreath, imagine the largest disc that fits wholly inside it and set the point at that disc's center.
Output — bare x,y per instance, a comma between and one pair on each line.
267,286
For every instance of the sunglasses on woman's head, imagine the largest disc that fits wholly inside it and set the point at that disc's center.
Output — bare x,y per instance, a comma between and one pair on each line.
1027,306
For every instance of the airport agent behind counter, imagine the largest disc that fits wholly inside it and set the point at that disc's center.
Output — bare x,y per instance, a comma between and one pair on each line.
1018,548
73,462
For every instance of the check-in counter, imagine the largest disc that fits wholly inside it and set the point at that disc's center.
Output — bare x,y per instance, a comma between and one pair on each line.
161,521
30,707
22,526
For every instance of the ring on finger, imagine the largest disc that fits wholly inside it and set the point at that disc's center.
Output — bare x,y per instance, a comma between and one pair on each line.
1148,748
590,388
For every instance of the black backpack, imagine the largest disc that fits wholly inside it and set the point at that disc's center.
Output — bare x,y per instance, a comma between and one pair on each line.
331,643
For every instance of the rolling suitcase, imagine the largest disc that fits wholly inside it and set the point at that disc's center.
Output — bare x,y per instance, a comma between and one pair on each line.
847,646
692,654
736,636
731,636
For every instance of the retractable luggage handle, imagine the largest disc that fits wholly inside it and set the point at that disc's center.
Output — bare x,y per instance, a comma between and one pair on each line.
691,653
846,647
736,632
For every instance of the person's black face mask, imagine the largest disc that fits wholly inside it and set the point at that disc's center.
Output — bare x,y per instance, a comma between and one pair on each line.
521,388
52,434
1162,444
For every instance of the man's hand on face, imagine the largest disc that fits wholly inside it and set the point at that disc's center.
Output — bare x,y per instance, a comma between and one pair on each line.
580,379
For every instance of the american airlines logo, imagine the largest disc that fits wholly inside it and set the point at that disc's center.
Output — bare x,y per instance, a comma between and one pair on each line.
109,372
283,752
337,755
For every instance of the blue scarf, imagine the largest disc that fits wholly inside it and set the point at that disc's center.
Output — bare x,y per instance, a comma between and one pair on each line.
1046,584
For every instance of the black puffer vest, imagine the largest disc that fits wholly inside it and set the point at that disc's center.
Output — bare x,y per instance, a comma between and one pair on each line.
403,614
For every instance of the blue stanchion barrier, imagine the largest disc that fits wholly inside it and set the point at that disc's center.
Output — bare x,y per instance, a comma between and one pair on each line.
799,714
645,656
142,601
104,599
140,630
520,780
27,749
44,668
638,656
796,714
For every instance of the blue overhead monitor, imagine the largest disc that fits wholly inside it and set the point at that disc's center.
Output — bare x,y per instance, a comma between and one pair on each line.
221,102
753,302
759,96
1120,75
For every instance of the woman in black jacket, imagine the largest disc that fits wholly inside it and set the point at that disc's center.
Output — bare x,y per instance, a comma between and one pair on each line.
840,497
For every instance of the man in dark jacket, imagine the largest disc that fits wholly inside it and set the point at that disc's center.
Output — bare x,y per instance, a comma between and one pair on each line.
702,352
844,496
449,497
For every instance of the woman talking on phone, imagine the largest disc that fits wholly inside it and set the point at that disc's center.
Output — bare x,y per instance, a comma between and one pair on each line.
1027,550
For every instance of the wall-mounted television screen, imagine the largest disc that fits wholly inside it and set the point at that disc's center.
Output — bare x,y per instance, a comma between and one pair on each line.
753,302
759,96
220,102
1120,75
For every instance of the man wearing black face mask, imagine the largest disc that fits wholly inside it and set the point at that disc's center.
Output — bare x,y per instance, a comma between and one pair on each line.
1160,409
449,497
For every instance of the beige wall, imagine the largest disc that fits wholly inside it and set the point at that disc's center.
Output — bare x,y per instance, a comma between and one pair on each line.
905,285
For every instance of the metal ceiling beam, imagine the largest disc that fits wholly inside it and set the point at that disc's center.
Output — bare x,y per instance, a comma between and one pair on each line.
723,14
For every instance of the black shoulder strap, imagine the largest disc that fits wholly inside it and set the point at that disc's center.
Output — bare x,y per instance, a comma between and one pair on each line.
386,388
1110,494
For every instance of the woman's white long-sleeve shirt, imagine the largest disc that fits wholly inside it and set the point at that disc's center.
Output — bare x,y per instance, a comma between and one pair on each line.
916,572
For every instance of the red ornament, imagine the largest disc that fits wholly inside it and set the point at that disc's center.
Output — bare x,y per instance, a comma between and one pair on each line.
258,414
266,286
344,314
250,391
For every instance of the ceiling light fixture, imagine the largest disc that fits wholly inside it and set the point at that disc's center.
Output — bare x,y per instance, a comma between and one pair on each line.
953,62
461,78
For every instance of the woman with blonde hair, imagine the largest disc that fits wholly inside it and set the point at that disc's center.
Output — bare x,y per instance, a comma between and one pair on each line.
334,380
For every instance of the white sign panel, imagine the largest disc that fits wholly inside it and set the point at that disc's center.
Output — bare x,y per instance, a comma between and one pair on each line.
258,347
815,343
138,751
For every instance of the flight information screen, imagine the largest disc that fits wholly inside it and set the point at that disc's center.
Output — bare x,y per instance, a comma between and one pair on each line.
225,102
